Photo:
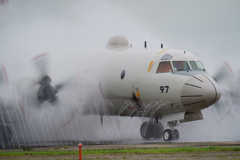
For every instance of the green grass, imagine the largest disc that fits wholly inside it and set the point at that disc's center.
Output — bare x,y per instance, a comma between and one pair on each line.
120,151
27,149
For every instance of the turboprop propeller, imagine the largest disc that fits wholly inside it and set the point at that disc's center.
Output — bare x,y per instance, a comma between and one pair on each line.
46,91
229,82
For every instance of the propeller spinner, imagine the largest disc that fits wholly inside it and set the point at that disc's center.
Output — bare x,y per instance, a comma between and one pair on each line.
46,90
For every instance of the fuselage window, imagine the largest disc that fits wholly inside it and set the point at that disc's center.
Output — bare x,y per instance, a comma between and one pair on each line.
193,65
167,57
200,65
164,67
180,65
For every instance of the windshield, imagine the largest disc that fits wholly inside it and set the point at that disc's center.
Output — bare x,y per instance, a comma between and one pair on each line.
200,65
180,66
164,67
193,65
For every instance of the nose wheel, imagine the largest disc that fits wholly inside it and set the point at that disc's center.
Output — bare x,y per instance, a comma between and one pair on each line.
171,134
176,134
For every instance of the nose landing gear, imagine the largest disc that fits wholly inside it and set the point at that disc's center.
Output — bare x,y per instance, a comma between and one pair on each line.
171,134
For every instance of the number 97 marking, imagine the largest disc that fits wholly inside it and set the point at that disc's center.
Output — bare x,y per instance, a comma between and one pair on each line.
162,88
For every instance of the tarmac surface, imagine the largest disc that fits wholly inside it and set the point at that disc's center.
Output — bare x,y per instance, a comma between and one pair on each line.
197,155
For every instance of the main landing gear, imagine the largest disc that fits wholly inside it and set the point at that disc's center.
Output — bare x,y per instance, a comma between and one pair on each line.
151,129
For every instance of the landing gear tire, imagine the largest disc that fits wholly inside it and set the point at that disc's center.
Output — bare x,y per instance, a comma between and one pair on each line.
176,134
146,131
150,130
157,130
5,135
167,135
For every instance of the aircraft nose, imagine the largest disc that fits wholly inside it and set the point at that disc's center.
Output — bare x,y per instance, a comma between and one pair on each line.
200,91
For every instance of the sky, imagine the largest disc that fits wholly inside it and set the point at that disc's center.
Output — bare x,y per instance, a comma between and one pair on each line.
208,28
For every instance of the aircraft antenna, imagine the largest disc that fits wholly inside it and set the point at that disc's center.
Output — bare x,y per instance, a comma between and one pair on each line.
68,17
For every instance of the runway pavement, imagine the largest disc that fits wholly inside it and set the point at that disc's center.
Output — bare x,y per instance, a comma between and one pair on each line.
115,143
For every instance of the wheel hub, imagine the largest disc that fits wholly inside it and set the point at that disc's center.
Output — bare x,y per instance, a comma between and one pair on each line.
166,135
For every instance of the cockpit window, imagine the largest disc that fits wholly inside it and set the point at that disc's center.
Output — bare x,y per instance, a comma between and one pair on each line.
193,65
180,66
167,57
200,65
164,67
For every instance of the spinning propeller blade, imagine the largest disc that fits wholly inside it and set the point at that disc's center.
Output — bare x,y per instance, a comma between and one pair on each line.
41,63
224,71
3,75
